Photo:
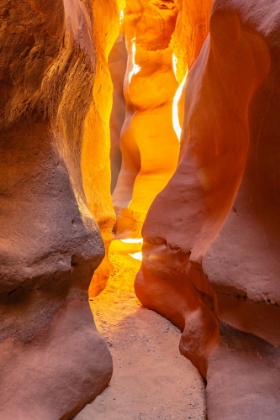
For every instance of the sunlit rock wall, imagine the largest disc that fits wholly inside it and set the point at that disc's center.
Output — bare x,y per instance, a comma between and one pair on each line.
96,160
187,216
149,144
171,280
53,361
117,64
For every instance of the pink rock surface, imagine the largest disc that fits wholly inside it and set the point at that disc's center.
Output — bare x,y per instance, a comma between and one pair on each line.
243,378
217,135
243,262
53,361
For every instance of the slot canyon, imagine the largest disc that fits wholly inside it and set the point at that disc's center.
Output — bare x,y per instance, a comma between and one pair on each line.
139,209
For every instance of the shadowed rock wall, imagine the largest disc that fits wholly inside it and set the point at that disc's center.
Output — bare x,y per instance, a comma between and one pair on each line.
53,361
223,201
171,280
243,262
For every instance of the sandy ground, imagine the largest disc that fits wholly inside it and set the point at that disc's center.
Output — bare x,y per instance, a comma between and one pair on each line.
151,380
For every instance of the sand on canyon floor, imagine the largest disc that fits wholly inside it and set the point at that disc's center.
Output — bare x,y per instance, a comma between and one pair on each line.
151,380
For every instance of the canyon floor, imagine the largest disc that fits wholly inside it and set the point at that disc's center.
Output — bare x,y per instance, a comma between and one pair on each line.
151,380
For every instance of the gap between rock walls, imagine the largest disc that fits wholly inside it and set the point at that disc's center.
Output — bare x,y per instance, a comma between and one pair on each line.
139,138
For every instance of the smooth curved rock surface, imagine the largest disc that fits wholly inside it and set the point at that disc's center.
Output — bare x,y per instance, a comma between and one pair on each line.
149,144
95,157
117,65
243,262
198,198
53,361
243,378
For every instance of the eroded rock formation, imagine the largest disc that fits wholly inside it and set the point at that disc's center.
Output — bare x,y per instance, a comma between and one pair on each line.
171,280
149,144
117,66
95,161
212,232
230,142
248,369
243,263
53,361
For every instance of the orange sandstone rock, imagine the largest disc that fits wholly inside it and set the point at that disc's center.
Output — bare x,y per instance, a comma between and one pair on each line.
117,66
187,216
149,144
53,361
96,156
243,262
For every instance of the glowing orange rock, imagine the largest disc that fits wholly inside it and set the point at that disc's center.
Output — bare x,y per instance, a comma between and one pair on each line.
95,161
149,143
117,65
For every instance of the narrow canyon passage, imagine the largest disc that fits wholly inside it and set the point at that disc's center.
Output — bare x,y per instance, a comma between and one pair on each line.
151,379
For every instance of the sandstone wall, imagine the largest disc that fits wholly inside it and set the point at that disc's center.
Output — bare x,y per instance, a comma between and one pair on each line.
53,361
223,202
95,161
243,262
149,144
171,280
117,65
217,218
